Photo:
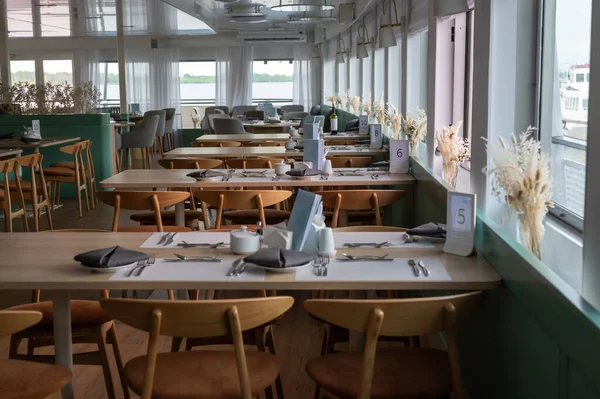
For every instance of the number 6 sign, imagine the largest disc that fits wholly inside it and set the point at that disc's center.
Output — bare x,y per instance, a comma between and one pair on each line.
376,139
398,156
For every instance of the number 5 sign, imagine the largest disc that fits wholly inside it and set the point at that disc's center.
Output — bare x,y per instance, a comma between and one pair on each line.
398,156
376,136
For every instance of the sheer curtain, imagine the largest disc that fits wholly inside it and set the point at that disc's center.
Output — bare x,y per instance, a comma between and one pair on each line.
222,61
303,76
239,76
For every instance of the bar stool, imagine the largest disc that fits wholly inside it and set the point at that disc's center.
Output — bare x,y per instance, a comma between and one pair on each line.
7,166
35,190
57,175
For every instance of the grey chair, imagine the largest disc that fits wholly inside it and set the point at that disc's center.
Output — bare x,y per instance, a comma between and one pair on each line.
316,110
219,109
142,137
292,108
241,110
211,121
297,115
228,126
160,130
258,115
169,134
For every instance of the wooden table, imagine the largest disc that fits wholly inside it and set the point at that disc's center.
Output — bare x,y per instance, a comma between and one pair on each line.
44,143
149,179
274,152
270,128
22,268
244,138
10,153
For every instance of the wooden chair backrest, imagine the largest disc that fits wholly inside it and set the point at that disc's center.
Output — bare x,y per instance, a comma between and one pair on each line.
242,199
252,163
72,149
36,172
216,144
86,145
370,229
197,319
355,200
141,200
350,162
190,163
263,144
7,166
12,321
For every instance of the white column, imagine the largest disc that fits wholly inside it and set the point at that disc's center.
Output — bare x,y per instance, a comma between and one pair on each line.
431,84
404,70
4,54
591,222
121,57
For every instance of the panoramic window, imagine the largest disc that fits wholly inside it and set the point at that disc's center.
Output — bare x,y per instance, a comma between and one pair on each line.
354,77
564,107
342,68
197,85
379,74
328,77
20,22
22,71
273,81
366,76
395,75
54,17
108,83
58,71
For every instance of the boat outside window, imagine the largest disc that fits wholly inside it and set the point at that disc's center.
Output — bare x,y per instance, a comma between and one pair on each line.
580,78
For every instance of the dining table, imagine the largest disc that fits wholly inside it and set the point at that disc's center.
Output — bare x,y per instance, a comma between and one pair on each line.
23,268
10,153
270,151
281,137
150,179
270,128
36,145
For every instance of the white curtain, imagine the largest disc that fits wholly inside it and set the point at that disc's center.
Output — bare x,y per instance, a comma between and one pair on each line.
153,78
239,76
222,61
303,76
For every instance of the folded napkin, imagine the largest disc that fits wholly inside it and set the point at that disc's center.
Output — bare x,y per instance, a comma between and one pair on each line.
303,172
279,258
201,174
110,257
380,163
429,230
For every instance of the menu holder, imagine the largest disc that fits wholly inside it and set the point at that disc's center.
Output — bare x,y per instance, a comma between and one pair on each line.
301,219
460,228
311,131
376,136
363,125
398,156
314,152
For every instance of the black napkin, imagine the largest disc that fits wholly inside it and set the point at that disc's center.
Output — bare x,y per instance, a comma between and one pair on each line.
202,174
303,172
110,257
28,140
428,230
279,258
380,163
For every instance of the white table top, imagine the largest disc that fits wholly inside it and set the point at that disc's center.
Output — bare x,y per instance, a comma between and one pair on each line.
274,137
22,266
280,124
225,152
10,153
176,178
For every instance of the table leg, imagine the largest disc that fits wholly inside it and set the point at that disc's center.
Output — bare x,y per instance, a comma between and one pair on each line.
62,337
180,214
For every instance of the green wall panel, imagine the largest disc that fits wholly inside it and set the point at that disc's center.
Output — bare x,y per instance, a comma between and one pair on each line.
190,135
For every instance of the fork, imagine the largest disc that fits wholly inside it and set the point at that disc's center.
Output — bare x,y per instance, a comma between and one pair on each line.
317,266
140,263
150,261
326,261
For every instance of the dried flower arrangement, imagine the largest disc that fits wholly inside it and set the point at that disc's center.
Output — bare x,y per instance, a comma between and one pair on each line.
355,103
394,118
415,128
379,110
195,120
520,174
332,99
454,149
368,106
341,99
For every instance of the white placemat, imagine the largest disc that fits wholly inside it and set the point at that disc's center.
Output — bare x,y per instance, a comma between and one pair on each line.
396,239
164,270
398,270
189,237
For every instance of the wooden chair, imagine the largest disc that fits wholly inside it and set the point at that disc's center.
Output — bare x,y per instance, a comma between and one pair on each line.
35,190
8,194
216,144
90,324
143,200
350,162
21,379
200,374
392,373
359,200
250,206
190,163
263,144
57,175
252,163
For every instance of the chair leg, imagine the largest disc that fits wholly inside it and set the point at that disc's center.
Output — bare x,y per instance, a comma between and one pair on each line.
79,206
101,342
176,344
86,197
149,161
127,158
259,337
161,148
36,213
112,334
171,295
143,151
14,346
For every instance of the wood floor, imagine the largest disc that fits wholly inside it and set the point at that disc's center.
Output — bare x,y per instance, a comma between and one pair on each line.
298,337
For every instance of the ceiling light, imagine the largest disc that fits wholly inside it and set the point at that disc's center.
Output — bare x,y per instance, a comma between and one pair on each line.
302,7
250,19
443,8
387,38
339,56
361,43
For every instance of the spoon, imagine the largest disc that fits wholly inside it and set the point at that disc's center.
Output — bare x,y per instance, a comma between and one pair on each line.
413,264
364,257
201,258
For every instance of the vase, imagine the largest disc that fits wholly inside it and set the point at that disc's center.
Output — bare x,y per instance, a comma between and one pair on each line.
531,232
450,172
414,148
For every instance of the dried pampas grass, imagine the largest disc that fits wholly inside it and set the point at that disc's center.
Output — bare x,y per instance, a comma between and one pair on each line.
415,128
454,149
520,174
355,104
394,118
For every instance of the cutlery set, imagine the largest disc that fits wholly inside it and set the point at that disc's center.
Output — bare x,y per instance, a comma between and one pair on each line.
367,244
418,266
350,258
320,266
200,244
167,239
239,266
141,266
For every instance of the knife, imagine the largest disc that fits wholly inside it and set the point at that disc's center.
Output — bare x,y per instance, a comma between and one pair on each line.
366,260
171,239
163,238
233,269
